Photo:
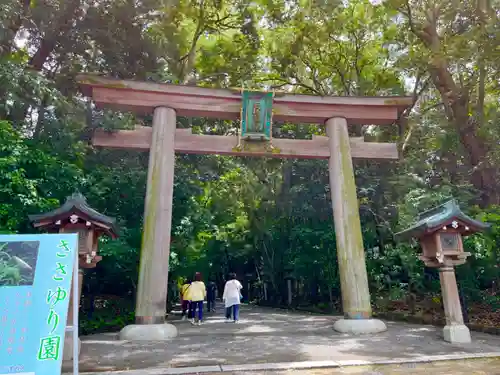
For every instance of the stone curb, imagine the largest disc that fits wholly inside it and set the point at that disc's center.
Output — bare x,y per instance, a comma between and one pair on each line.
293,365
405,318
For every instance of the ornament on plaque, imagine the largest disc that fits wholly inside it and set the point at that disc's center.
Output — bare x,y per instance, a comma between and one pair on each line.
256,115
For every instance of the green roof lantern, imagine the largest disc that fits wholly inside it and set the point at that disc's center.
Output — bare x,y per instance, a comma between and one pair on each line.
440,232
443,217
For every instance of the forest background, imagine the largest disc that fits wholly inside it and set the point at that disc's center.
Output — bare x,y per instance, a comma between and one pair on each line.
266,219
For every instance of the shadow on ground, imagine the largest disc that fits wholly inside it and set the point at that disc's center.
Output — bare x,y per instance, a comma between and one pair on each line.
270,335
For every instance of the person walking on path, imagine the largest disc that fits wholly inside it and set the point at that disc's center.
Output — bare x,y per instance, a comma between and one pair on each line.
232,297
197,293
185,298
211,294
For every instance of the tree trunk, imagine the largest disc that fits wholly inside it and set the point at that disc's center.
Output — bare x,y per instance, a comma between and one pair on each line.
43,53
50,40
332,303
456,101
47,46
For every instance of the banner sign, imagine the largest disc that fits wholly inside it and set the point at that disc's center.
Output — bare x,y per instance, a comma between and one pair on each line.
256,115
35,285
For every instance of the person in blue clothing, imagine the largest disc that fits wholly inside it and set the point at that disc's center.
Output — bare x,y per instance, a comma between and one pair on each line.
211,295
197,293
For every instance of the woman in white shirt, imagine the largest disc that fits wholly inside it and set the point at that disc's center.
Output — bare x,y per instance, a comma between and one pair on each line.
232,297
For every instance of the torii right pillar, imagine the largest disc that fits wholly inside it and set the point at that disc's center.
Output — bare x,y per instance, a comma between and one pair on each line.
350,252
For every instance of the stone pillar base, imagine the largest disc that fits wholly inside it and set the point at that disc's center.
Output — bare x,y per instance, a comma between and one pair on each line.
148,332
68,347
359,326
457,334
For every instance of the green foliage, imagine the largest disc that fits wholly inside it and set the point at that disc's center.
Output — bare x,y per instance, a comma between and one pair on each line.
483,271
31,179
108,315
10,272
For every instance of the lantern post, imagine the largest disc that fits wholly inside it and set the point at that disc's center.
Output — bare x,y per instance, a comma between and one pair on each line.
76,216
440,232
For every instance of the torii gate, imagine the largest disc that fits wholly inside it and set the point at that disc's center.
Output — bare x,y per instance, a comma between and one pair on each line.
166,101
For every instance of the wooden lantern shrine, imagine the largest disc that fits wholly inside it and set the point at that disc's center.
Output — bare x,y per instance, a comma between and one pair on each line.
440,232
75,216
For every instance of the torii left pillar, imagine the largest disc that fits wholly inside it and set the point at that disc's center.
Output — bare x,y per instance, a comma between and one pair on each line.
350,252
151,299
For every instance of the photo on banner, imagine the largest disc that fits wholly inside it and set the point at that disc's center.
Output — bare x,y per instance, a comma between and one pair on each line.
18,262
35,287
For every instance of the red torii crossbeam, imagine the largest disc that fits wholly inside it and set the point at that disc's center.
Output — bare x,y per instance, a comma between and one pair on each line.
143,97
188,143
192,101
